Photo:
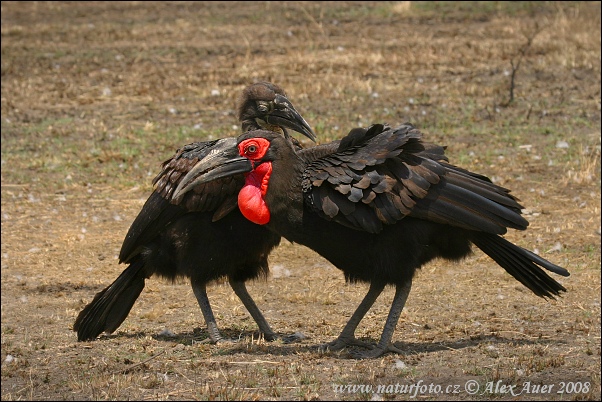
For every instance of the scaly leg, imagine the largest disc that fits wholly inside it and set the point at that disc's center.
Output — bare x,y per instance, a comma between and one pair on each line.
347,336
385,345
241,291
200,291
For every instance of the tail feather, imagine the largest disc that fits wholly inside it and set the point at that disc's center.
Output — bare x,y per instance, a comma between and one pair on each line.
522,264
111,306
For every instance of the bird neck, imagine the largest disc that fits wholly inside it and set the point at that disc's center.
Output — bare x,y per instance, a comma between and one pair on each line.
272,194
251,197
284,195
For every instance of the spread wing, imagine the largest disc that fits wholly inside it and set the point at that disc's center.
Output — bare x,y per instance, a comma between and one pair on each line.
381,175
218,197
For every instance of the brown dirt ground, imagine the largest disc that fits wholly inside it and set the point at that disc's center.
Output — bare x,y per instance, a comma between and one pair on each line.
95,95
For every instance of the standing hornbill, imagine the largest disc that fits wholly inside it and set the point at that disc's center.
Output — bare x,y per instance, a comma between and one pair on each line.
201,235
378,204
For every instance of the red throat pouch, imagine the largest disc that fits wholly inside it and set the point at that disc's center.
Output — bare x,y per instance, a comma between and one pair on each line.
250,198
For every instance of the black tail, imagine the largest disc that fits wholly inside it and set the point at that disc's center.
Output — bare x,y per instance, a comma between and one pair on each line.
112,305
522,264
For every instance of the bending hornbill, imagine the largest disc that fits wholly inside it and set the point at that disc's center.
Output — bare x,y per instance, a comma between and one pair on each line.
201,235
378,204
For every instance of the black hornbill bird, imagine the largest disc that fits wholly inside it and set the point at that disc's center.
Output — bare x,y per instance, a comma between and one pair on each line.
201,235
378,204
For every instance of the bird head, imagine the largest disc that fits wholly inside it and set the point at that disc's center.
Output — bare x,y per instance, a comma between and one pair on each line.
222,151
253,154
230,157
264,105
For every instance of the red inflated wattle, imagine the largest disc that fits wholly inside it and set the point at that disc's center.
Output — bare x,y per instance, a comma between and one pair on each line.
253,206
250,198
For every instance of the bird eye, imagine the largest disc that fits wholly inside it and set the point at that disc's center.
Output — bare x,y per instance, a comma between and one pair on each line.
253,148
263,107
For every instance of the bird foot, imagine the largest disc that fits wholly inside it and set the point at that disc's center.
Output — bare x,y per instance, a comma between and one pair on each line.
375,352
343,342
297,336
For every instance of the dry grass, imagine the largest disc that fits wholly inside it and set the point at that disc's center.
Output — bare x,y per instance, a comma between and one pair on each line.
96,95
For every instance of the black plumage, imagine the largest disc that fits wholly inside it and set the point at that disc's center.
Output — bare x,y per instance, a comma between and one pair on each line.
199,235
378,205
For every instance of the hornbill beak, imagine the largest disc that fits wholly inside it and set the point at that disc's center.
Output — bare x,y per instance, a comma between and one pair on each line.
285,115
222,161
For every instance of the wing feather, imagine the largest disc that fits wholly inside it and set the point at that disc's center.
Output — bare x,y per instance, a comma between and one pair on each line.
381,174
161,209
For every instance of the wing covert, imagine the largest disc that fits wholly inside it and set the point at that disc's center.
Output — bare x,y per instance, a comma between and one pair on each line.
381,175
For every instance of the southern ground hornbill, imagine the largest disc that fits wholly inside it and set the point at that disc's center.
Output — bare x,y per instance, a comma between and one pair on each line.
201,235
377,204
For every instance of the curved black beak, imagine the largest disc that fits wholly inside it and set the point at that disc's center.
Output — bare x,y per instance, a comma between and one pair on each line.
285,115
222,161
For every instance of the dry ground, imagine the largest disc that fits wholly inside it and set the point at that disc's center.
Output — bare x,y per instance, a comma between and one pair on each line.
95,95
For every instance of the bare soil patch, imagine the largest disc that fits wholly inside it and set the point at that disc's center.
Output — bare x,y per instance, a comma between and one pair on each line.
95,95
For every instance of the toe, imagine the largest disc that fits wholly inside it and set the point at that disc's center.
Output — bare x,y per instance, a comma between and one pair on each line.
296,337
367,354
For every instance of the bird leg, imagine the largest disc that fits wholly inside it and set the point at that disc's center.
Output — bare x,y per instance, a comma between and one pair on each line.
200,291
241,291
385,345
347,336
